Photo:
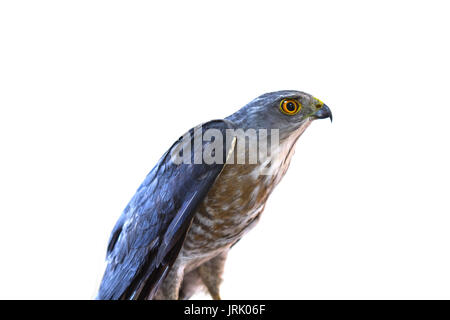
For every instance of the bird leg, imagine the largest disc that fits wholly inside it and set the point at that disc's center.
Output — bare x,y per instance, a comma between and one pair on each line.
211,274
170,287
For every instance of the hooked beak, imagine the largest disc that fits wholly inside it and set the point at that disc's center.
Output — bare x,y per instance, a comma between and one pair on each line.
323,113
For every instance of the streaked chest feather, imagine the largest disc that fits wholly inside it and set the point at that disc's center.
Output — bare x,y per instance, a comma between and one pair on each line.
235,202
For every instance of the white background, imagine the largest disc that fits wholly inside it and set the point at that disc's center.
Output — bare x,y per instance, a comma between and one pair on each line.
92,93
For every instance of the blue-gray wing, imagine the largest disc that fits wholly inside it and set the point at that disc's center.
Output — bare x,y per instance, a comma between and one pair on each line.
149,234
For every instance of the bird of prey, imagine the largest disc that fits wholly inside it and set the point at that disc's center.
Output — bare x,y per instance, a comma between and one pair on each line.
173,237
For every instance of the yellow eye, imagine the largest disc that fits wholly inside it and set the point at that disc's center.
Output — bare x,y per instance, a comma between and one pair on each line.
290,106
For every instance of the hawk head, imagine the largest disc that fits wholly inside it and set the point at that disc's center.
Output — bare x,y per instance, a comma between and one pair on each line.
288,111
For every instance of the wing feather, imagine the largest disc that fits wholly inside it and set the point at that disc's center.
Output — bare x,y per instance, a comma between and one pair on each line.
149,234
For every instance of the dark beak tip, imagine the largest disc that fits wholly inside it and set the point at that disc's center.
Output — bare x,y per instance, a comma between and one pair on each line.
324,113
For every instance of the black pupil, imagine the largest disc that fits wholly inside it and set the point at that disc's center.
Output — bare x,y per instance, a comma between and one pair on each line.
290,106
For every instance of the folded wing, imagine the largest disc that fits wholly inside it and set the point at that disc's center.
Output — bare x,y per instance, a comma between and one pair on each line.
149,234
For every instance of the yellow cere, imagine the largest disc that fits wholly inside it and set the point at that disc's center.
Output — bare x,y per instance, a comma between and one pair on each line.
319,103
